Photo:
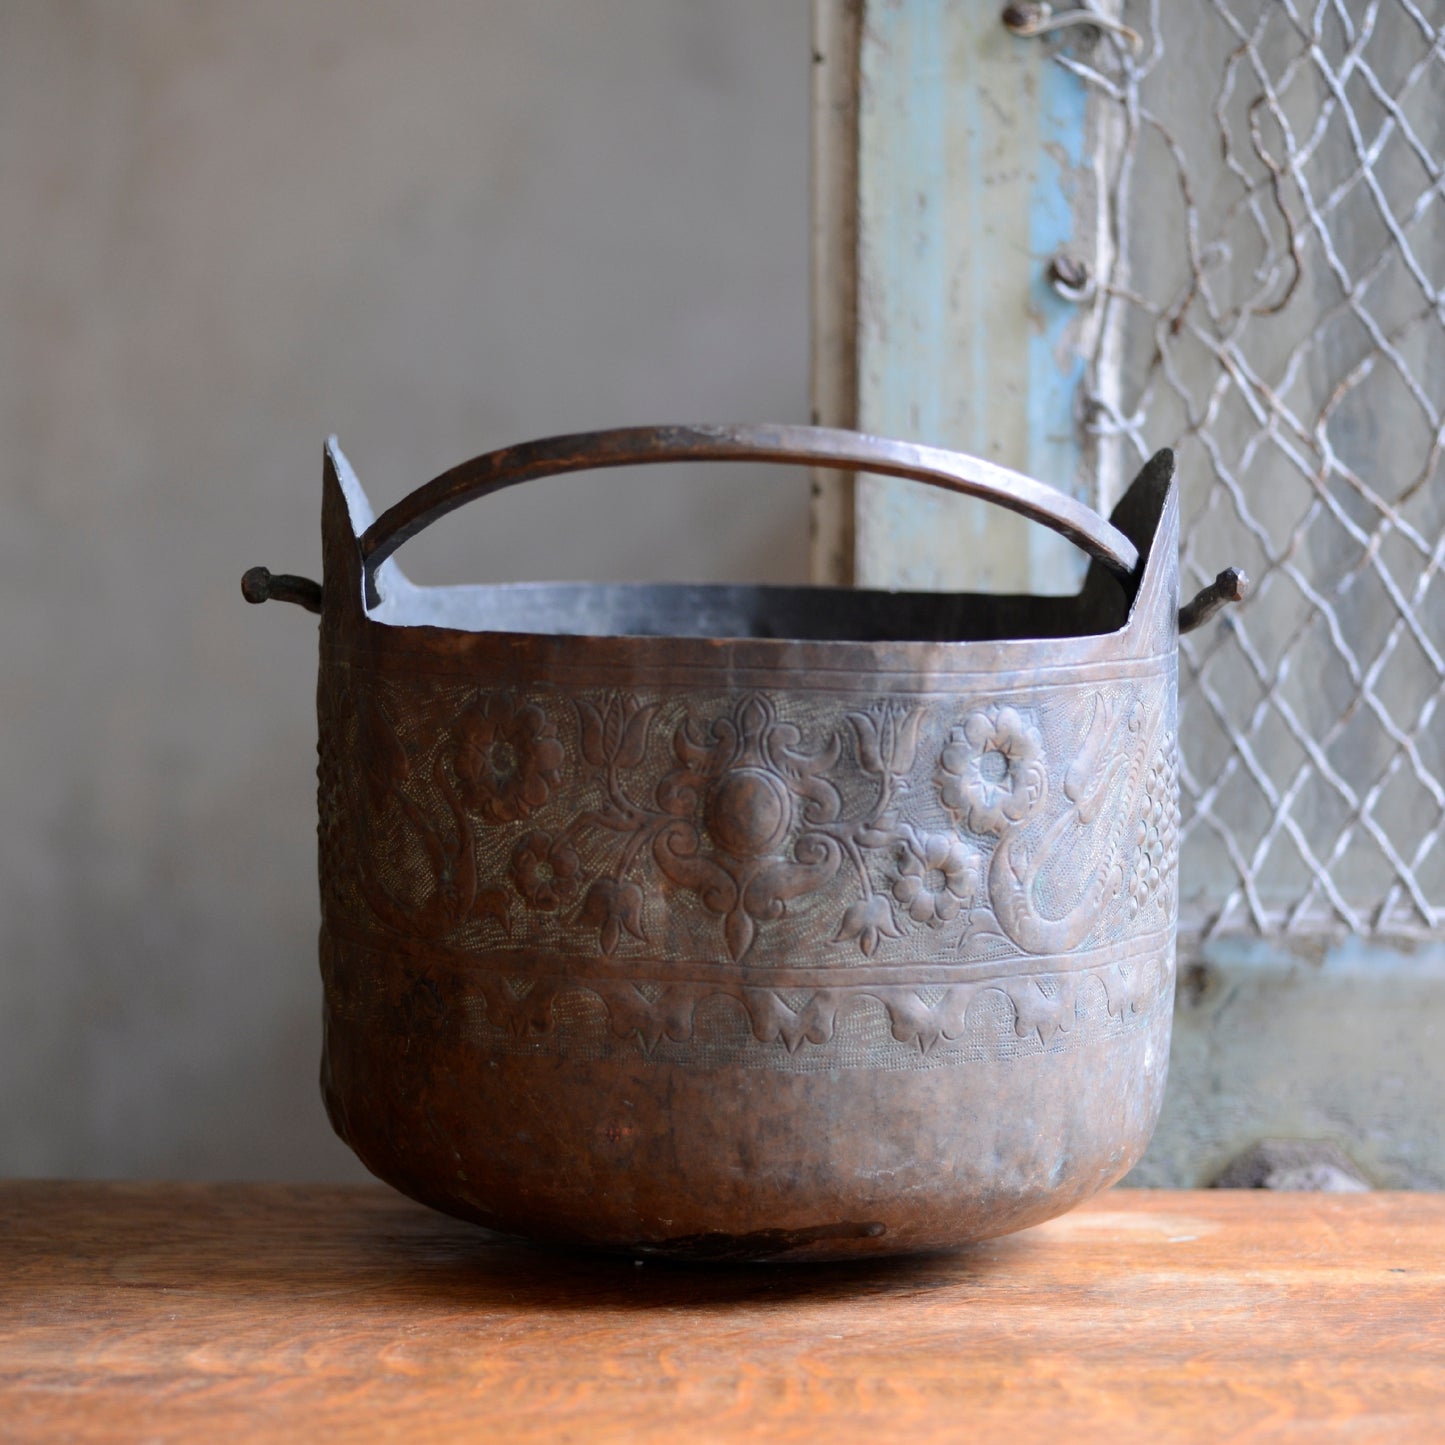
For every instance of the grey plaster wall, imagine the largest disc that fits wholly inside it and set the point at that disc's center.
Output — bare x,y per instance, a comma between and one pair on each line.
226,230
1341,1043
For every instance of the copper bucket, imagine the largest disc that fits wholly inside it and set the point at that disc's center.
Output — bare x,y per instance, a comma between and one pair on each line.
747,922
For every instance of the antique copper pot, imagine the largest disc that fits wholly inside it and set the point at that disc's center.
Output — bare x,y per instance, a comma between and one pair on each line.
747,922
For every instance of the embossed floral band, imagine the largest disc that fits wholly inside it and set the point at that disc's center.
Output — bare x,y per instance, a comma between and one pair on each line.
747,922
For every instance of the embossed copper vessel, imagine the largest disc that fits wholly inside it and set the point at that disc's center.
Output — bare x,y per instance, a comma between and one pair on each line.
747,922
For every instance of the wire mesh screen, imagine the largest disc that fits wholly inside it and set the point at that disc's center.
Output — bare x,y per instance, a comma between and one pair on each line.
1273,229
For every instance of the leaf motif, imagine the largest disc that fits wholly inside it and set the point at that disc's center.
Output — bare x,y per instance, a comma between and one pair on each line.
887,740
753,719
1126,993
983,929
800,766
1033,781
497,1000
612,725
1081,776
613,906
590,721
630,1012
676,851
678,792
865,729
818,859
692,752
869,920
912,1020
595,907
629,909
492,902
783,737
381,751
633,747
739,931
1040,1013
533,1014
915,1021
822,802
774,1021
906,744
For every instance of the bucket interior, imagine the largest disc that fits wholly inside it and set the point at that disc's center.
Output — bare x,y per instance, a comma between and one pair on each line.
824,614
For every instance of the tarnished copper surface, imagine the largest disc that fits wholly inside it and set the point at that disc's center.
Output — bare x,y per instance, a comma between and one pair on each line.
747,922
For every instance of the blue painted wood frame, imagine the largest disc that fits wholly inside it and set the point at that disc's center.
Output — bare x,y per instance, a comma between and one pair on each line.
970,156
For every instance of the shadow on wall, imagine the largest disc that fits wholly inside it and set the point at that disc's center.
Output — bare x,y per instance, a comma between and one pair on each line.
433,229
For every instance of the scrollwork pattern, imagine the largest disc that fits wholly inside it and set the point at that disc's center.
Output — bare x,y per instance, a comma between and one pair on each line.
635,828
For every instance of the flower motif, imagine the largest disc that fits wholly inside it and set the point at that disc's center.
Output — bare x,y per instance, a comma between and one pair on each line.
990,773
545,872
614,905
614,734
935,883
507,759
747,782
870,920
747,811
887,739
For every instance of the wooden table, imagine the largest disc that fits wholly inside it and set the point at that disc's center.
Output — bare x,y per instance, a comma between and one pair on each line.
213,1312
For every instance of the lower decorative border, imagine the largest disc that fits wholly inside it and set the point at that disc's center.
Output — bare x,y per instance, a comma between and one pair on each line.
539,1011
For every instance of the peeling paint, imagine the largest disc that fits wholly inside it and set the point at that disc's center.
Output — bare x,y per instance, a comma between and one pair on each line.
967,145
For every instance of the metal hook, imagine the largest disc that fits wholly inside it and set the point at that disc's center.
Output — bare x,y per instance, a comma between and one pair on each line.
1037,18
1229,586
260,584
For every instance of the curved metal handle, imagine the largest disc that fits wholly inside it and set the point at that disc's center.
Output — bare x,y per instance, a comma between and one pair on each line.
797,445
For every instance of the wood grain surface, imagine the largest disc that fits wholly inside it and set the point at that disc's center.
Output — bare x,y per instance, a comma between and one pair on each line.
216,1312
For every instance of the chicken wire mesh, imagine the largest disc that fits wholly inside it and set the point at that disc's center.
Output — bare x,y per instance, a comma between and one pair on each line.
1272,231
